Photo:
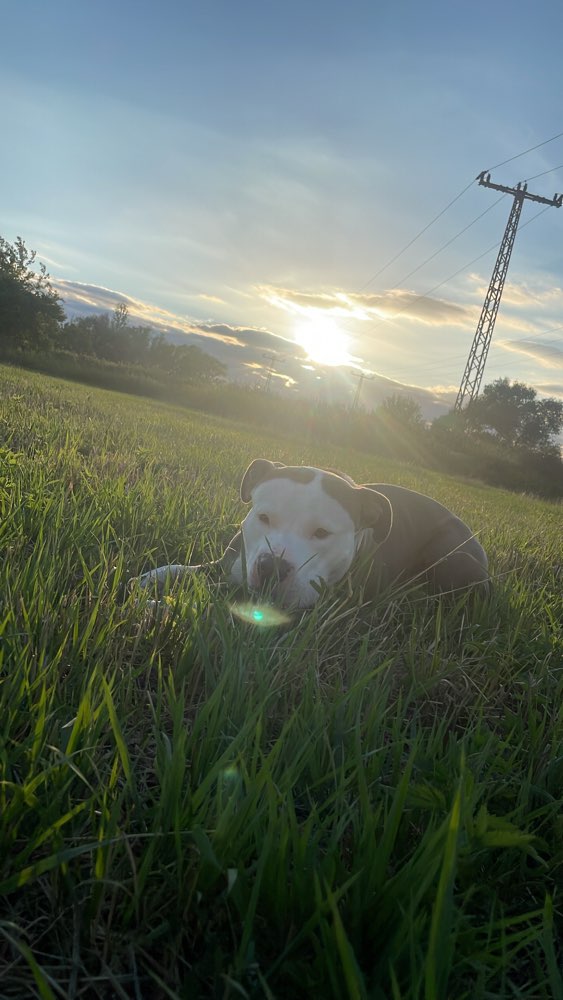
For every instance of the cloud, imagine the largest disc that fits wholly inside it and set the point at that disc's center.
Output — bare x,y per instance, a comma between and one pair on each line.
443,390
423,308
226,342
249,338
370,307
547,355
521,293
551,389
211,298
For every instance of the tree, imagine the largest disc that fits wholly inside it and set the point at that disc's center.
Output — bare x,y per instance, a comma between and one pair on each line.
513,413
195,365
30,310
110,338
120,316
403,411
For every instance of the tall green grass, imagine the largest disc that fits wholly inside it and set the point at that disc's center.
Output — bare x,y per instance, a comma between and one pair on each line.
362,804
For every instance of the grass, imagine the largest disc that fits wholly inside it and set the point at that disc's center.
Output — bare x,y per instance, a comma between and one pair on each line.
363,804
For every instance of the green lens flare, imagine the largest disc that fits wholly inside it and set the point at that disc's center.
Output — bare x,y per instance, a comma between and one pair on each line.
262,615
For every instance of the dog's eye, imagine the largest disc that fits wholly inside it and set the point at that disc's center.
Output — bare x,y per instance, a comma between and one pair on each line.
321,533
264,518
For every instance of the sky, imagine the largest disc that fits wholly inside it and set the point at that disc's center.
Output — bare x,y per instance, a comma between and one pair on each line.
245,176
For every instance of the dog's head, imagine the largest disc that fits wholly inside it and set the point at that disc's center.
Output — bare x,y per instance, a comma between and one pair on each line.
304,528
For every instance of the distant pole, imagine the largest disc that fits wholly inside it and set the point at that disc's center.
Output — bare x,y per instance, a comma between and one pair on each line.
473,374
270,357
361,377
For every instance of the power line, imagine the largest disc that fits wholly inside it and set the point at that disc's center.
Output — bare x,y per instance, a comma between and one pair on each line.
440,284
453,201
539,333
530,150
449,242
544,172
415,238
454,359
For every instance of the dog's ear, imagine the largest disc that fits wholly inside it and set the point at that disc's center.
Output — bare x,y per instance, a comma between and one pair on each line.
257,471
375,512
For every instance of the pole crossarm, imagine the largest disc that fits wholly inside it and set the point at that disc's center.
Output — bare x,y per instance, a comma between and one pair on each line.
520,191
473,374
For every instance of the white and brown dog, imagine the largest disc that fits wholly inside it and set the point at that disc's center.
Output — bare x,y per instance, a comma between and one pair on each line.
307,527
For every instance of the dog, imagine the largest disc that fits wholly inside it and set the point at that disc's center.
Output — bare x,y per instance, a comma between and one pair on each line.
310,527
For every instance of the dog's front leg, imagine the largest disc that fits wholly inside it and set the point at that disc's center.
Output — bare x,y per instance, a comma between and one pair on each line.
166,576
158,578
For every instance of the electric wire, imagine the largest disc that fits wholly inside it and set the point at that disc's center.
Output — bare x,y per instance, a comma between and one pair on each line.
454,200
449,242
495,246
530,150
440,284
544,172
455,359
458,359
415,238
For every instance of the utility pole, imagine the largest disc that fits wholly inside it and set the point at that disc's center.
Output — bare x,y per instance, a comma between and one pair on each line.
361,377
473,374
270,357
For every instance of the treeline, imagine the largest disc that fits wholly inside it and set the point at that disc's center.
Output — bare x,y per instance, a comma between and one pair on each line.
396,429
35,331
111,338
506,437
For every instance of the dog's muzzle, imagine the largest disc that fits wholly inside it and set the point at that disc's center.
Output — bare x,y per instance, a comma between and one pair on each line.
271,569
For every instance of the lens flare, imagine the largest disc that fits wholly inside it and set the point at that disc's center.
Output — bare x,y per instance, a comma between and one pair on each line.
262,615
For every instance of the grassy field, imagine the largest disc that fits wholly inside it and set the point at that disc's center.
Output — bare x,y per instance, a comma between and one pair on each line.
358,805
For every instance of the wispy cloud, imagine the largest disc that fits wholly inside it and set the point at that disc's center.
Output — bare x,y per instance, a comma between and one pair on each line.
523,295
371,307
211,298
546,293
547,355
551,389
45,259
87,299
443,390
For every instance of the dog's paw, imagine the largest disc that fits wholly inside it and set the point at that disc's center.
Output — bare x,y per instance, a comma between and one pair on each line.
153,580
161,579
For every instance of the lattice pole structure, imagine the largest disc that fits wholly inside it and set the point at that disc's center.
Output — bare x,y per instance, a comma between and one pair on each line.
473,374
361,377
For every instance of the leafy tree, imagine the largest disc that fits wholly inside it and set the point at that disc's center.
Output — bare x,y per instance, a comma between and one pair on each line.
513,413
110,338
194,365
401,410
30,310
120,316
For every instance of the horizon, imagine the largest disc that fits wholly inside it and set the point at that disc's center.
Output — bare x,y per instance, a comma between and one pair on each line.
234,181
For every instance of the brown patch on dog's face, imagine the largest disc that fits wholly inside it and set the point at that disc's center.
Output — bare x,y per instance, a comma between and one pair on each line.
367,507
262,469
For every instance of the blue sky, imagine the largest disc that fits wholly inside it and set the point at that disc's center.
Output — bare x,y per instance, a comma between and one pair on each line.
240,173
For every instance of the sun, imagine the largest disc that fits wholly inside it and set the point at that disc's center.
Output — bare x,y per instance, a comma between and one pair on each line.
322,338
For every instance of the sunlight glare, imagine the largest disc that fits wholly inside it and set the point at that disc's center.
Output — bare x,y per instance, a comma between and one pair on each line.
323,339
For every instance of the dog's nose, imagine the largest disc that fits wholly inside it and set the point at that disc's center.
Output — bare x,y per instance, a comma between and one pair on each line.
271,568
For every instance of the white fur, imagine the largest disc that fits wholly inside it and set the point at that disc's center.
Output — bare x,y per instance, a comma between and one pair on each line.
295,511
